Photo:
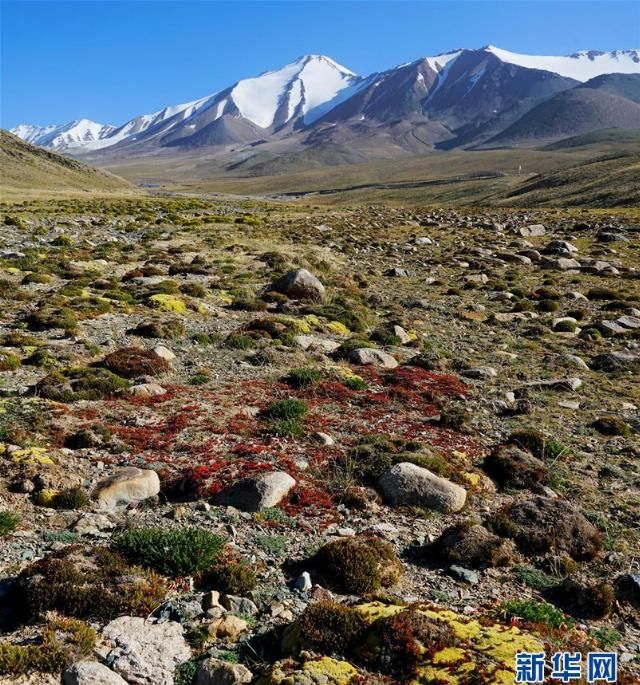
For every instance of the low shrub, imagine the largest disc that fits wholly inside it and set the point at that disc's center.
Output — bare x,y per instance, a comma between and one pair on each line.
71,385
301,378
8,522
535,612
232,577
63,642
176,552
359,565
327,627
92,582
130,362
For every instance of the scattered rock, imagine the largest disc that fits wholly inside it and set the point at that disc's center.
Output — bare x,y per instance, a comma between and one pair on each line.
464,574
127,486
408,484
257,492
91,673
371,356
213,671
145,653
300,285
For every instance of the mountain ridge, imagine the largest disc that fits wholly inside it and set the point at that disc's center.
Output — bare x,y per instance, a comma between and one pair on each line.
459,98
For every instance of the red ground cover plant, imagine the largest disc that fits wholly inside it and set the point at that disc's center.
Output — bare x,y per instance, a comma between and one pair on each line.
206,439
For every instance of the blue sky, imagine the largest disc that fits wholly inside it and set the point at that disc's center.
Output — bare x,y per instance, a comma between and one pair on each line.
109,61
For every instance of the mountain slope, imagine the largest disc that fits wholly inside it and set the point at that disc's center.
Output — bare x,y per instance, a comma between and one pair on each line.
572,112
624,85
25,167
457,99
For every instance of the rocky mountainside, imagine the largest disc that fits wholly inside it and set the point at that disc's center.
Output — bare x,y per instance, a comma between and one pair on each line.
460,98
27,167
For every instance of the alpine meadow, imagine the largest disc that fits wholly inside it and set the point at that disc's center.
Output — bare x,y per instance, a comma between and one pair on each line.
329,375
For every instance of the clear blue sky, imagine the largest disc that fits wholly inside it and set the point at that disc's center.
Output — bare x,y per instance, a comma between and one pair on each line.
109,61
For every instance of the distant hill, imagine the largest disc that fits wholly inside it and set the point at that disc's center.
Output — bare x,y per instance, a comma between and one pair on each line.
610,181
25,167
611,138
571,112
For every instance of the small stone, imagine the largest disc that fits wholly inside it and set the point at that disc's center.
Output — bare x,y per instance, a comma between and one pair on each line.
323,438
239,605
303,582
229,626
210,599
369,356
464,574
143,652
146,390
91,673
532,231
213,671
480,373
301,285
257,492
93,524
164,352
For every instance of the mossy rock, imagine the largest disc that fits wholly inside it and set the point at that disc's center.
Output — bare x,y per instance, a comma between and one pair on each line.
323,671
70,385
438,644
167,303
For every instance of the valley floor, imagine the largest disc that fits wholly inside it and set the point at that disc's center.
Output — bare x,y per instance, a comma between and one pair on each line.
406,465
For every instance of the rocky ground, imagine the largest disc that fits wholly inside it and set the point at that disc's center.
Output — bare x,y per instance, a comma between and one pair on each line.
249,441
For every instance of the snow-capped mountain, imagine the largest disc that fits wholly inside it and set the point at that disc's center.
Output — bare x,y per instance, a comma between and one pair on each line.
78,133
457,98
294,96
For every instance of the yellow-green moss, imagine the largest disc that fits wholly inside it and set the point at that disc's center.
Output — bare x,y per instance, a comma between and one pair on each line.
168,303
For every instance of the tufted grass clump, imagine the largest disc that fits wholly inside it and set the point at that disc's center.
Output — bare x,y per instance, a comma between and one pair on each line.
9,361
177,552
288,410
71,498
538,444
302,378
63,642
359,565
535,612
8,522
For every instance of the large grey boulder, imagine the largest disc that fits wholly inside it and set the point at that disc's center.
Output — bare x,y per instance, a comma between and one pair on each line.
91,673
408,484
218,672
145,653
300,285
257,492
369,356
128,485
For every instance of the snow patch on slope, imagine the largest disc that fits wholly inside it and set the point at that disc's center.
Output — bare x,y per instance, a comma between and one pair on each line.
581,66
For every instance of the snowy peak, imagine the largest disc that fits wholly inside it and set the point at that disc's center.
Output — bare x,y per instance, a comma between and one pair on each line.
79,132
580,66
276,97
